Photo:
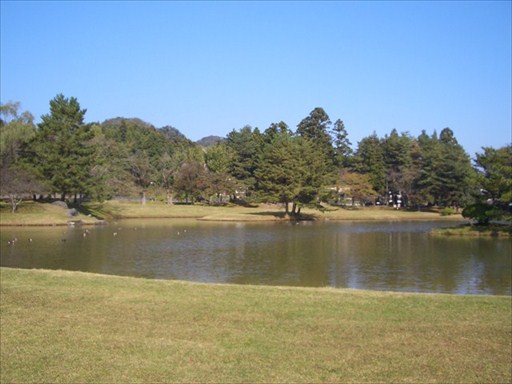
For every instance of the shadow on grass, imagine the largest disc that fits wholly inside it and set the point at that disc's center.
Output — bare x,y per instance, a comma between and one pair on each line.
283,216
98,210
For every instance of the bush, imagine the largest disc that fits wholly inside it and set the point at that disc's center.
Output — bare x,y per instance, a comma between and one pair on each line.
447,211
481,212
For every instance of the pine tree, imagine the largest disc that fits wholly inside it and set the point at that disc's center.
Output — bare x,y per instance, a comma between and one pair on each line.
278,172
398,162
290,170
445,171
494,177
61,151
246,145
369,159
342,149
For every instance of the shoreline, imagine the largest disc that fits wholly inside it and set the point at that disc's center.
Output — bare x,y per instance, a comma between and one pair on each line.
219,220
178,331
39,214
341,290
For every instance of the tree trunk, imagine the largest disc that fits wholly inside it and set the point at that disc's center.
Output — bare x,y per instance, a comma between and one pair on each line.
143,198
14,203
169,197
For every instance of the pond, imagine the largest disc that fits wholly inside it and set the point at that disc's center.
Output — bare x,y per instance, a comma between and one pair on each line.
395,256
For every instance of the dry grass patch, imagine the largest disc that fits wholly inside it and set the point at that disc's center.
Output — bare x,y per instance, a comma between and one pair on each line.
74,327
32,213
262,212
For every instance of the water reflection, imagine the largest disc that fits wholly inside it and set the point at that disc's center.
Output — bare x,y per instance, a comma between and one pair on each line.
399,256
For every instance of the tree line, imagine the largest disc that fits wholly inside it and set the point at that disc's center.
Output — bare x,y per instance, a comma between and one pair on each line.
120,157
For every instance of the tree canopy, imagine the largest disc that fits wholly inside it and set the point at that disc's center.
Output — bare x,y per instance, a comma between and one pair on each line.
128,157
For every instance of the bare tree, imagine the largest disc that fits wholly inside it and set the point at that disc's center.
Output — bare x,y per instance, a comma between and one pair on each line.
17,183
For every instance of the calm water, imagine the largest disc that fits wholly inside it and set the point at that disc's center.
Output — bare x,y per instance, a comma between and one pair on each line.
399,256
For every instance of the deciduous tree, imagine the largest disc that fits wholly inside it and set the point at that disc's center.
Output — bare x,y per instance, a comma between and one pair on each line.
15,130
356,186
16,184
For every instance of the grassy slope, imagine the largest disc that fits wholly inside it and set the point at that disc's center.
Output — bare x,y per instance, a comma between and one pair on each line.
74,327
30,213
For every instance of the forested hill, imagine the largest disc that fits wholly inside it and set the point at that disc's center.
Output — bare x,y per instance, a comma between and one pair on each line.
125,128
208,141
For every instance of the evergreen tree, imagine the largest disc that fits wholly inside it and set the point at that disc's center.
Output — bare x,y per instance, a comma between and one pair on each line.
315,173
219,158
290,170
429,159
398,162
316,127
246,145
494,174
369,159
493,182
445,170
61,151
278,172
453,172
342,149
274,130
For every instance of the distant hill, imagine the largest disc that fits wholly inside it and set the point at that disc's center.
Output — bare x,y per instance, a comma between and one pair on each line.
172,133
140,135
208,141
134,121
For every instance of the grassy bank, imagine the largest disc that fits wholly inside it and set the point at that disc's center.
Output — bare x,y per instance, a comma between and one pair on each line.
74,327
32,213
46,214
492,230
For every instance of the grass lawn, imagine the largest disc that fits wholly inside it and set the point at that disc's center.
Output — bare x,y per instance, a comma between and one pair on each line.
30,213
75,327
491,230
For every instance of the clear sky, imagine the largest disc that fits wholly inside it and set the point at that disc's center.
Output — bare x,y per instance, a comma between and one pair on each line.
207,68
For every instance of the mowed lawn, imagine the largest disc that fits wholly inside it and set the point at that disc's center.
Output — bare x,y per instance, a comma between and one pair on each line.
32,213
75,327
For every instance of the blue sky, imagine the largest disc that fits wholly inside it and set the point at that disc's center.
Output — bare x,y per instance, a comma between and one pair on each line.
207,68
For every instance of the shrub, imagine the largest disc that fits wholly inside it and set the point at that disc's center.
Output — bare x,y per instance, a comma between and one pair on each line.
447,211
481,212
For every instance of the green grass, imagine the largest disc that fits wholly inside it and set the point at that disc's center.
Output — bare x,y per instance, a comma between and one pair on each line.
32,213
74,327
491,230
